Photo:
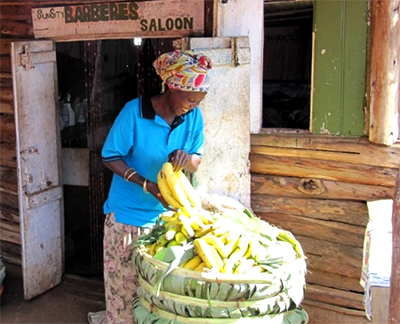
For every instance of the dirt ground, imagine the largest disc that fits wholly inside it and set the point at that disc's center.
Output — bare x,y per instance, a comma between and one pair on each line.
69,302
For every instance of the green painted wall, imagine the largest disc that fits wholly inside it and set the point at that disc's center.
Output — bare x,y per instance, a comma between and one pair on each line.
339,76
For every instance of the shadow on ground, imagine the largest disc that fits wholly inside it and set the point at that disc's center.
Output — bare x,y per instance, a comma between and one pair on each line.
69,302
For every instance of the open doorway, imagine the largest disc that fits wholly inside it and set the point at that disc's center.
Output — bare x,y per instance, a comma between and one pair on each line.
287,63
95,80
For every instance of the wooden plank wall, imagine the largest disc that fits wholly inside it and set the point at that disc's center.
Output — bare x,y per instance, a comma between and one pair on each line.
317,187
15,23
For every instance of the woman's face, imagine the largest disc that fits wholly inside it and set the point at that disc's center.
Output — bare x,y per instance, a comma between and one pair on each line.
184,101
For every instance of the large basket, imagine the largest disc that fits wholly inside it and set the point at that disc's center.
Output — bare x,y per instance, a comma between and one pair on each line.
210,295
146,313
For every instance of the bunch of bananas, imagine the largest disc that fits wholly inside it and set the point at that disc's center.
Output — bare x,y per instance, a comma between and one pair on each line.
236,242
177,190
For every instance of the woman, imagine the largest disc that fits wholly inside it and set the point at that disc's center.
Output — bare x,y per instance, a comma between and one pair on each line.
148,132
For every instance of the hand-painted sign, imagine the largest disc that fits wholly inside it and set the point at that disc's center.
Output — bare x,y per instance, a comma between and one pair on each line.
175,18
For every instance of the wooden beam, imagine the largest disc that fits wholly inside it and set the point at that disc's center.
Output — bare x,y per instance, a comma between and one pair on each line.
335,296
345,148
344,234
394,309
294,187
330,210
385,72
322,169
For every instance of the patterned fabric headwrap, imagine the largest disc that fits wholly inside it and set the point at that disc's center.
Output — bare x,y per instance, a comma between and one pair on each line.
184,70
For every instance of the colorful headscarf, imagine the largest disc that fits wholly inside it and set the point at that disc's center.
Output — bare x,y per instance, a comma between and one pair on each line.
184,70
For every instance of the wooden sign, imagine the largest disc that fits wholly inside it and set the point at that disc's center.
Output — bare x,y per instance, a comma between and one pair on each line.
175,18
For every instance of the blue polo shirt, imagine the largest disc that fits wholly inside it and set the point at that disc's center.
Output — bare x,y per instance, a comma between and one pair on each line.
144,140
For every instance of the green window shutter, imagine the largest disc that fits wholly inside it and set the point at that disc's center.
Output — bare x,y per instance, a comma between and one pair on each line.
339,74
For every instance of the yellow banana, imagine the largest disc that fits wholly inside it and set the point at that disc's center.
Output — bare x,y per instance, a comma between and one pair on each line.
193,221
181,238
196,223
167,216
162,240
182,265
250,249
166,191
243,266
228,266
174,184
202,214
208,254
150,248
203,231
238,254
231,246
200,267
172,229
255,269
217,243
224,237
187,187
193,263
186,226
244,240
172,243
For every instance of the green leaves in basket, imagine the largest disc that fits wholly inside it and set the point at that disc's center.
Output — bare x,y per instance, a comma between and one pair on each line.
151,237
296,316
174,255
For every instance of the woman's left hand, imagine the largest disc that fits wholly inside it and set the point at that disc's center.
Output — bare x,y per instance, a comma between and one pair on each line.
153,189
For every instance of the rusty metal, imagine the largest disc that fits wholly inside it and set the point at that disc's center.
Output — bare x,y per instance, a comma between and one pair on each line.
26,58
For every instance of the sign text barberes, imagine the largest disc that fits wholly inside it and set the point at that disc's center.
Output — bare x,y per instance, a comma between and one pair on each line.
153,18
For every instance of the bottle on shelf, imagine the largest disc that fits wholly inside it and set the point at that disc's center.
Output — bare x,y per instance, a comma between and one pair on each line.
71,113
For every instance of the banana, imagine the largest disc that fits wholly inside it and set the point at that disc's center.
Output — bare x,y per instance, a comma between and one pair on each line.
255,269
238,254
224,238
243,266
228,266
200,267
150,248
193,263
181,238
187,187
193,221
217,243
174,184
172,243
166,191
196,223
288,237
202,214
167,216
172,229
231,246
186,225
208,254
244,240
203,231
162,240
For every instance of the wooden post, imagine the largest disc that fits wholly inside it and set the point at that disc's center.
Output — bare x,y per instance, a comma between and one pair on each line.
385,71
394,309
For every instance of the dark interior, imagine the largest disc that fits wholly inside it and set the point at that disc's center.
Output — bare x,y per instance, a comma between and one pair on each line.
287,64
107,74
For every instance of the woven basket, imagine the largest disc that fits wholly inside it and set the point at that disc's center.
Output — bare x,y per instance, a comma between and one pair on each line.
146,313
194,294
